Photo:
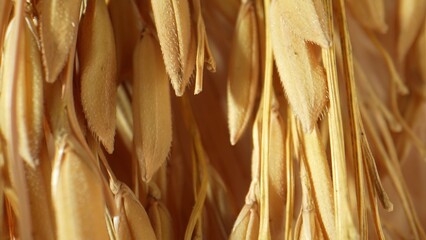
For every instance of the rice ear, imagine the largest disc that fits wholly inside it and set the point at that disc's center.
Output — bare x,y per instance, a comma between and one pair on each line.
243,76
301,74
98,66
75,183
58,30
173,24
152,118
135,216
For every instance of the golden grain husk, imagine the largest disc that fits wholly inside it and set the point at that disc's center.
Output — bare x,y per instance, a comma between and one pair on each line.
133,222
152,118
77,194
59,20
173,24
243,75
301,74
98,66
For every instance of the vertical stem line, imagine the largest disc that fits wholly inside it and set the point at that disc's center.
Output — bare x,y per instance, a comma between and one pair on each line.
264,231
290,179
354,118
343,221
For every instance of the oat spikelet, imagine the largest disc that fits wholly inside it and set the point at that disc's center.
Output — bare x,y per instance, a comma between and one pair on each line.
173,24
96,52
151,107
58,29
78,199
133,215
243,76
301,74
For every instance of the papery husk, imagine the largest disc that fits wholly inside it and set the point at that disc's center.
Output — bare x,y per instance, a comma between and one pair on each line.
58,30
98,72
152,118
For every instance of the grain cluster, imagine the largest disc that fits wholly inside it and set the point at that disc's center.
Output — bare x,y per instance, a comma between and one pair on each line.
212,119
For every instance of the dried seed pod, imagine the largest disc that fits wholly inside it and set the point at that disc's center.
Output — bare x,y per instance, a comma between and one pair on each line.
152,118
243,73
304,18
132,216
58,29
78,199
369,13
98,67
301,74
173,24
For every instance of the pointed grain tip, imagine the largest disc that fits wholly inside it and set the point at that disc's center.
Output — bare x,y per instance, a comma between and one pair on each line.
233,139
